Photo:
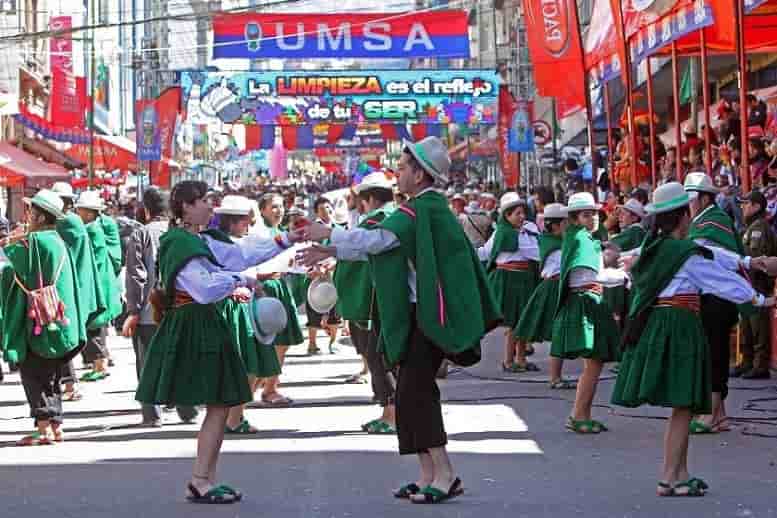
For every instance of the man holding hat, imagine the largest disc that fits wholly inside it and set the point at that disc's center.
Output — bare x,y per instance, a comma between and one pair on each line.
43,337
444,308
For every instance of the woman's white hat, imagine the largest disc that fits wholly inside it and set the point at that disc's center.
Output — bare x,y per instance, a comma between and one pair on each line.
48,201
376,180
699,182
554,211
63,189
582,201
432,155
234,205
269,318
509,200
90,200
635,207
322,295
668,197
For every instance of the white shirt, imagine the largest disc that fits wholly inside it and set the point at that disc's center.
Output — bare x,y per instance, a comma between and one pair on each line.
552,266
528,246
206,282
705,276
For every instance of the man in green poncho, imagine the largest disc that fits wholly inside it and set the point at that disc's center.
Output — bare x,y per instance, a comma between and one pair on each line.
41,336
104,238
443,309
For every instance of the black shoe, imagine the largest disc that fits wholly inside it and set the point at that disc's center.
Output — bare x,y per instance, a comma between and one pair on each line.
739,370
756,374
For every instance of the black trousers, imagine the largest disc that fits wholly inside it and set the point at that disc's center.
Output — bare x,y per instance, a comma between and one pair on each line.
419,413
41,381
718,316
359,336
96,345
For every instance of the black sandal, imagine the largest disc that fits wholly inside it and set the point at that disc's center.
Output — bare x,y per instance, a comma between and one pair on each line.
407,490
216,495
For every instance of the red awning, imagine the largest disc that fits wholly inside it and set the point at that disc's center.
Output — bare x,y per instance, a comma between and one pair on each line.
110,152
17,167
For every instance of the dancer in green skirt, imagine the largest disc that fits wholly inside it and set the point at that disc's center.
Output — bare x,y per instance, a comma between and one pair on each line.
667,359
536,323
632,234
513,254
193,358
584,327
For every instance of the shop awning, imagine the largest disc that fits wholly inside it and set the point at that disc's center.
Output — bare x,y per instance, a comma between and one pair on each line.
110,152
17,167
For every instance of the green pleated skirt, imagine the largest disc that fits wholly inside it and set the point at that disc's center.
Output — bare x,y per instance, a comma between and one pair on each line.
193,360
298,286
669,366
292,335
615,297
512,290
259,360
584,328
536,323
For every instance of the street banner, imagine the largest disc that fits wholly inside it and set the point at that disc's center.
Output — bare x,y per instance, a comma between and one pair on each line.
61,46
291,98
521,130
427,34
168,107
66,108
553,34
147,130
508,159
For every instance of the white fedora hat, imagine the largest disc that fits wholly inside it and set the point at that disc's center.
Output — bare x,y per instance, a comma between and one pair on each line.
432,155
234,205
63,189
699,182
378,180
582,201
554,211
90,200
322,295
509,200
48,201
269,318
668,197
635,207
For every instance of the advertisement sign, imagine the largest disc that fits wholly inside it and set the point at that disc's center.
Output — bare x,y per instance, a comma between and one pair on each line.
61,47
147,130
377,96
442,33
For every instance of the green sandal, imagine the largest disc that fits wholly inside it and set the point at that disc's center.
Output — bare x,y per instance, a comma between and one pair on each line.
562,384
699,428
381,428
216,495
94,376
407,490
432,495
244,428
527,367
366,426
585,426
691,487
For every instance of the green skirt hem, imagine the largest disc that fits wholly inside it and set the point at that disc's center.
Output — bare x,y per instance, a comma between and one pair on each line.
584,328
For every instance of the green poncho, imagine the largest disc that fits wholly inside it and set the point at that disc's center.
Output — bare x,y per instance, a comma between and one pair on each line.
630,238
548,244
112,242
355,293
455,307
108,295
44,248
505,240
579,250
715,225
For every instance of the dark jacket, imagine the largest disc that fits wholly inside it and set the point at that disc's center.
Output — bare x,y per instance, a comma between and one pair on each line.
759,240
141,276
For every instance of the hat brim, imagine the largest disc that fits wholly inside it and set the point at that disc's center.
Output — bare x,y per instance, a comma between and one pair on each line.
90,207
264,339
410,147
361,187
595,206
511,205
51,210
231,212
668,206
641,214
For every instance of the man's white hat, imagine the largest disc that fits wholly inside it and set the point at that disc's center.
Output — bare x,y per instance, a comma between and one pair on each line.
699,182
554,211
90,200
234,205
432,155
635,207
48,201
376,180
668,197
581,201
269,318
63,189
509,200
322,295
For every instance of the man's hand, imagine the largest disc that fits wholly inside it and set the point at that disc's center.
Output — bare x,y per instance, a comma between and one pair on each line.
314,254
128,329
317,232
297,235
768,265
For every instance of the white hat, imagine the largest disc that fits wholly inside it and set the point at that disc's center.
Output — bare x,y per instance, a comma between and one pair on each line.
699,182
635,207
451,191
90,200
63,189
49,201
509,200
376,180
581,201
467,192
269,318
340,214
458,196
432,155
668,197
234,205
554,211
322,295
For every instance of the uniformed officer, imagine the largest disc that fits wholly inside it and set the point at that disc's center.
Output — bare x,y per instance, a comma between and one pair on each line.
759,240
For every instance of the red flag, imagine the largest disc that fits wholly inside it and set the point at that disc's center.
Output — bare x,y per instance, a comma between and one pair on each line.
553,34
168,104
620,36
64,107
510,169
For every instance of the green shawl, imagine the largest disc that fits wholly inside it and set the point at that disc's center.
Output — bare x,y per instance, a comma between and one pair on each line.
715,225
176,248
578,250
355,293
455,307
112,242
56,340
73,232
505,240
549,243
107,291
630,238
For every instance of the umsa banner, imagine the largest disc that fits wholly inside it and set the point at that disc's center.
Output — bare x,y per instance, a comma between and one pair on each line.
439,33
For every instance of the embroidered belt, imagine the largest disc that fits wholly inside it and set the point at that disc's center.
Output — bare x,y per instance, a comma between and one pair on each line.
691,302
594,287
514,266
182,299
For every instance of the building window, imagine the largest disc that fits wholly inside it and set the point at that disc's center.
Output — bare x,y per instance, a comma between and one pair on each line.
103,16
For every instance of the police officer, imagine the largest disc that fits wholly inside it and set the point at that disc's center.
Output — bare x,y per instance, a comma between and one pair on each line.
759,240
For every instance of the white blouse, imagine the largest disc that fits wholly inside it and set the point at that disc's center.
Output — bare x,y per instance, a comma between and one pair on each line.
528,246
552,266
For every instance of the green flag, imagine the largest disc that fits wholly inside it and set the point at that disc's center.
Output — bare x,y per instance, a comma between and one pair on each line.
686,88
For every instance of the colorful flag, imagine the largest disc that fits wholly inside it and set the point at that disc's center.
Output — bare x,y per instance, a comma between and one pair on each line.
297,137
